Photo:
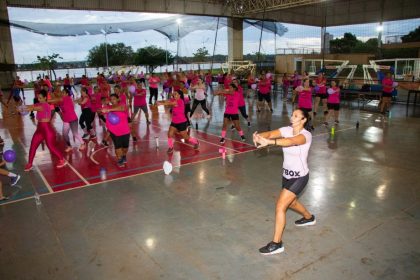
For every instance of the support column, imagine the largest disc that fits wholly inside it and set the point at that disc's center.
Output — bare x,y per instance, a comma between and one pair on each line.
235,39
7,61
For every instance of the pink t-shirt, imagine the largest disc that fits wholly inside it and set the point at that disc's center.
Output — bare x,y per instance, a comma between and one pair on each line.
178,115
87,104
241,101
264,86
154,82
387,85
305,99
67,108
322,88
334,95
45,113
122,127
227,82
140,98
232,101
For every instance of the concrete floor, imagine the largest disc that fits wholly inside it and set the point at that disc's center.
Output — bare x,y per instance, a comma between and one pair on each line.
208,220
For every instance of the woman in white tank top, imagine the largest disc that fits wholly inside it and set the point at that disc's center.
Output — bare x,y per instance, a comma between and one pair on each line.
200,98
296,141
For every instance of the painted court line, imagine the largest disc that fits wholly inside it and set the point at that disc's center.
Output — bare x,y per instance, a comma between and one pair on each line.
77,173
37,169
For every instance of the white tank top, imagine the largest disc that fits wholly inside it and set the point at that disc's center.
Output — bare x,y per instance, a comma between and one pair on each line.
199,94
295,162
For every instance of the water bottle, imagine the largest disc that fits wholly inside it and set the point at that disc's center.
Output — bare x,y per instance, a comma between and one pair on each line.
102,173
332,130
37,199
157,142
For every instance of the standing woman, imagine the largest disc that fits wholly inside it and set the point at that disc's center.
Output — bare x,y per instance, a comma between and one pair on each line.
199,98
85,120
179,122
153,88
120,132
387,84
296,141
264,93
241,103
65,102
333,102
231,111
321,94
44,131
140,102
305,99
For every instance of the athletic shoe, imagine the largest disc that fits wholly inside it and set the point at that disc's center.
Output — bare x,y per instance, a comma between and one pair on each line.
337,122
258,110
14,180
197,146
134,139
61,163
249,124
271,110
85,136
305,222
232,127
28,167
82,147
105,143
124,159
170,150
222,140
272,248
243,138
325,123
121,162
208,116
93,136
68,149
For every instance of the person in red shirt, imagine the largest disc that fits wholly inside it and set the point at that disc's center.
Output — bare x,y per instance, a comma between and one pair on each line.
153,87
264,93
387,89
321,94
140,102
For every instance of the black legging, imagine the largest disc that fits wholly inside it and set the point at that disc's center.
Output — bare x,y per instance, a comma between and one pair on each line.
242,109
86,119
203,105
153,93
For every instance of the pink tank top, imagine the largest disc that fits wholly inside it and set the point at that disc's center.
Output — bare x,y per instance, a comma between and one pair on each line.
122,127
45,114
67,108
305,99
87,104
232,101
178,115
334,95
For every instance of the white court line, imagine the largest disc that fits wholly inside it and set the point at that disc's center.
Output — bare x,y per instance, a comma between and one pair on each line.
77,173
91,156
37,169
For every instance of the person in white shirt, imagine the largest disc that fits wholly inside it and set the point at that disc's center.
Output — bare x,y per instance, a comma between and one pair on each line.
199,97
296,141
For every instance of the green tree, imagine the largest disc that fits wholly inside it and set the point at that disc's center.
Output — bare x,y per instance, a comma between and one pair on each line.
152,57
118,54
201,55
345,44
48,62
413,36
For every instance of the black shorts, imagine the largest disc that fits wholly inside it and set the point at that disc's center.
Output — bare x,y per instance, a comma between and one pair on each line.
386,94
266,97
322,96
17,98
307,110
129,120
333,106
102,117
120,142
295,185
232,117
180,126
143,108
57,109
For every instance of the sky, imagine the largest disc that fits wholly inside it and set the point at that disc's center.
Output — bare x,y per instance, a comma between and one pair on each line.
27,45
